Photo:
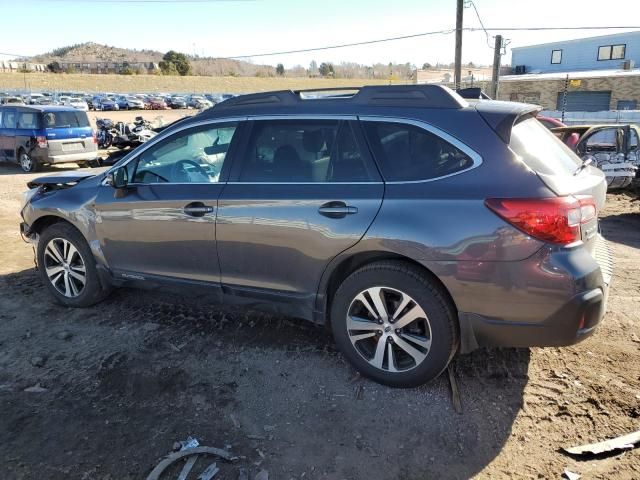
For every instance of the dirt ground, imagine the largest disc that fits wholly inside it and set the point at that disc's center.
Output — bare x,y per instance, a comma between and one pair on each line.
122,381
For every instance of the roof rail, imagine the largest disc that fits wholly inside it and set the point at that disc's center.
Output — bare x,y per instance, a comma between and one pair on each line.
427,96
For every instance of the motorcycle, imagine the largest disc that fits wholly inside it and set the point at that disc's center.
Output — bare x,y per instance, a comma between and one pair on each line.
105,132
133,134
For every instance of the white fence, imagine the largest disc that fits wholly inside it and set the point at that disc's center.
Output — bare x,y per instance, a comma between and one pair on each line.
598,118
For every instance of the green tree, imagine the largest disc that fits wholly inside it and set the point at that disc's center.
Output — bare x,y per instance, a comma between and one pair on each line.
174,63
326,69
280,69
426,66
54,67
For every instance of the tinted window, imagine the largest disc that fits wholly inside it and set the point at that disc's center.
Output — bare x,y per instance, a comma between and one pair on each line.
407,152
65,119
541,150
193,156
604,139
27,120
304,151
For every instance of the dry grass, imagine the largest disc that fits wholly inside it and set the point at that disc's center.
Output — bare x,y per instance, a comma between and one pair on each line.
156,83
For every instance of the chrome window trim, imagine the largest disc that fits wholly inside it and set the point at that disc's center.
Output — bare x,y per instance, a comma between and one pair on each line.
300,116
161,136
305,183
475,156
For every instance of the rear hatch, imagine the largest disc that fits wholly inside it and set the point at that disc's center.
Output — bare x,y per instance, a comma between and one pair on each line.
68,132
561,170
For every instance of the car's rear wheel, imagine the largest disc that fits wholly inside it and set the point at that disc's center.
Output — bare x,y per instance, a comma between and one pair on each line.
67,267
27,162
394,324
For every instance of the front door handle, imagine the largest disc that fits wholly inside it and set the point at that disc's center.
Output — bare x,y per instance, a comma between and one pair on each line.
197,209
336,210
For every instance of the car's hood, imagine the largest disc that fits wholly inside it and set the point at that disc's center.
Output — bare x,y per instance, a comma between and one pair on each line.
65,179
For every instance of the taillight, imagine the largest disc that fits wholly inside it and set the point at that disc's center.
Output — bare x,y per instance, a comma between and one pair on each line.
95,137
554,220
42,141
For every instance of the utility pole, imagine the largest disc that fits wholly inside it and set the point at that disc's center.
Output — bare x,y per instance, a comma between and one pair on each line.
497,54
457,74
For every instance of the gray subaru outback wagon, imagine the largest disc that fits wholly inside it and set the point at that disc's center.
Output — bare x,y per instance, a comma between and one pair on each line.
413,223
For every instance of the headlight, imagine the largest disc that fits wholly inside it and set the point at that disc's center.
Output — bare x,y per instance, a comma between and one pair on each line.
27,196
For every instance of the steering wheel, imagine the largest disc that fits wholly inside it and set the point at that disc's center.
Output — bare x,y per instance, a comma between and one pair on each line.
180,173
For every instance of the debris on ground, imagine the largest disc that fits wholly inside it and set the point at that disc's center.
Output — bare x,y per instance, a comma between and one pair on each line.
625,442
262,475
38,361
455,392
64,335
209,472
243,474
37,388
359,392
175,456
569,475
190,442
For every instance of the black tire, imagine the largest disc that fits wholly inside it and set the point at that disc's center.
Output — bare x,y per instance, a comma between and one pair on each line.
408,280
27,163
93,291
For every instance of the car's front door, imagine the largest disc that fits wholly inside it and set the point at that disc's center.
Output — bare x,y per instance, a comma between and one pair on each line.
162,225
8,134
301,191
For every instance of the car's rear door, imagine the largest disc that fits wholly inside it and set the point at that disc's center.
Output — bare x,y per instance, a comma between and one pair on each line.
162,226
302,191
8,134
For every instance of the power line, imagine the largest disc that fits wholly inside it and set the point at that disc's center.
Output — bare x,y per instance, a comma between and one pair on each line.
402,37
470,2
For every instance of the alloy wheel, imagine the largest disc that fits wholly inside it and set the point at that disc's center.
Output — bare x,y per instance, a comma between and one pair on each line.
389,329
65,267
26,162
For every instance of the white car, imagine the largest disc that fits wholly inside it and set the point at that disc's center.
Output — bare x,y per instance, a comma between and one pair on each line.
134,102
77,103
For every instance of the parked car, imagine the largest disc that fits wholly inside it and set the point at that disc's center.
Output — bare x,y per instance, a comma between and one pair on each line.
104,103
177,102
33,135
122,102
12,101
199,102
611,148
75,102
376,214
157,103
134,103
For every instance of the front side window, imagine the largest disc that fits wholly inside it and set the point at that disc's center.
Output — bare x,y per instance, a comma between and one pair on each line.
556,56
410,153
304,151
196,155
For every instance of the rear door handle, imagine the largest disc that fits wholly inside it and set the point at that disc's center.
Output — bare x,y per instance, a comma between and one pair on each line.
337,210
197,209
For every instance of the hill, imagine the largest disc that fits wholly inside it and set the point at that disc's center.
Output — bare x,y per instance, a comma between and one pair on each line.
91,52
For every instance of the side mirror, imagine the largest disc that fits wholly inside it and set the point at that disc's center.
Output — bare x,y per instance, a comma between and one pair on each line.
118,178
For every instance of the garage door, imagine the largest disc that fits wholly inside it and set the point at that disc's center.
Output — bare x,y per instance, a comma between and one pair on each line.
585,101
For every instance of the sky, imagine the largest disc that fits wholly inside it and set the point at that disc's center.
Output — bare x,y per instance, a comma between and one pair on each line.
226,28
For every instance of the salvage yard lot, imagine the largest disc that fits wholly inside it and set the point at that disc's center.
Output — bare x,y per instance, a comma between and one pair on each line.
122,381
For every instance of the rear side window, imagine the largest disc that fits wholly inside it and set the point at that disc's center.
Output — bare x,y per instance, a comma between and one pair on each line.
304,151
65,119
541,150
27,120
9,119
410,153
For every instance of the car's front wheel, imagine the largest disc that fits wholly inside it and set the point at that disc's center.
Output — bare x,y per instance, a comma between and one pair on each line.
394,324
67,267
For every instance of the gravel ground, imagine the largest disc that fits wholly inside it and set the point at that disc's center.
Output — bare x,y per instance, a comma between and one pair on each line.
119,383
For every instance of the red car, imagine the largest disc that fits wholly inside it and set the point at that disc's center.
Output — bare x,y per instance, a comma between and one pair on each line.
157,104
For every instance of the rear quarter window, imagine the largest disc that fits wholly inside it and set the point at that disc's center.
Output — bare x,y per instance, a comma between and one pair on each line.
541,150
410,153
65,119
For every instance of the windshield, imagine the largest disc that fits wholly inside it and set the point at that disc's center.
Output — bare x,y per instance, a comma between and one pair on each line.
541,150
65,119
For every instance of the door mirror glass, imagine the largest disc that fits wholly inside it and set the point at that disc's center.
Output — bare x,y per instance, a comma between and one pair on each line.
118,178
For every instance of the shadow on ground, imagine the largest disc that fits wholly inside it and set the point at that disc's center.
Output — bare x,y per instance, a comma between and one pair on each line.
128,377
